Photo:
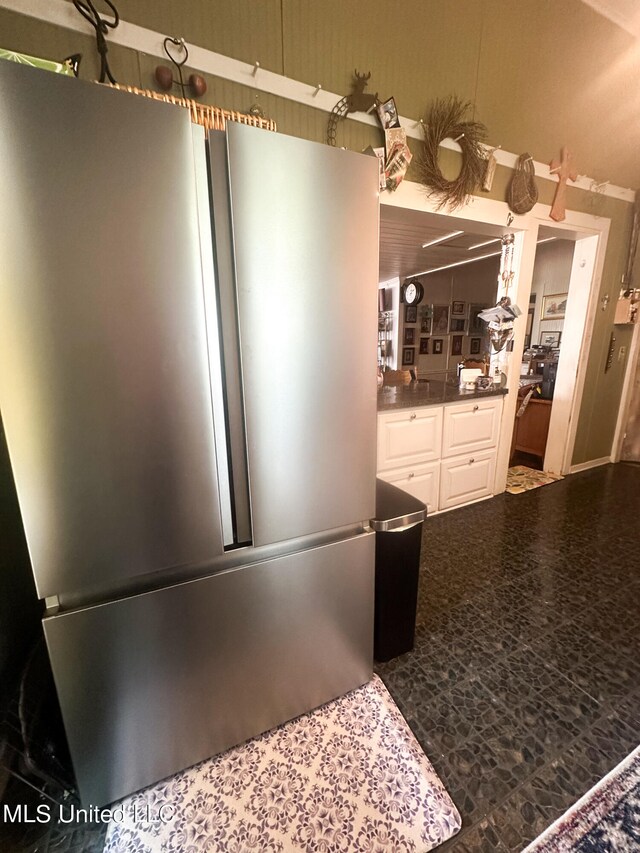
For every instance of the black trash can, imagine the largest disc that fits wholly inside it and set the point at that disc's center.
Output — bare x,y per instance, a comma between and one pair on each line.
398,527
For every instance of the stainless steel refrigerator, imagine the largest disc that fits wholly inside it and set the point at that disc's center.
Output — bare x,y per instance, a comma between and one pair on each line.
187,381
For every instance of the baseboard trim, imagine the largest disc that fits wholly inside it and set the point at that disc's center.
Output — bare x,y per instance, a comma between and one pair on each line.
459,506
593,463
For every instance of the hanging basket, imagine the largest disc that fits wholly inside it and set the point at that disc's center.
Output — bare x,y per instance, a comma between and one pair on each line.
522,193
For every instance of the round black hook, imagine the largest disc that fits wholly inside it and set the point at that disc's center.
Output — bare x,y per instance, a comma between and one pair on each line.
178,42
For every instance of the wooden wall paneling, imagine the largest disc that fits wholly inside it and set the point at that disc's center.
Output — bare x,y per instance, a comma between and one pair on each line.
249,30
407,48
547,71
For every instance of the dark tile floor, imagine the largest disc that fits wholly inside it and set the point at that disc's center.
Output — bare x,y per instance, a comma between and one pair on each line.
524,684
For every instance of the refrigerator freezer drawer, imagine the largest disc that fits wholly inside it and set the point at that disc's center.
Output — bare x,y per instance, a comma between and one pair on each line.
155,683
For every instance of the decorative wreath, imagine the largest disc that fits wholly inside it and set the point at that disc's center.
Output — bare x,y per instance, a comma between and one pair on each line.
445,120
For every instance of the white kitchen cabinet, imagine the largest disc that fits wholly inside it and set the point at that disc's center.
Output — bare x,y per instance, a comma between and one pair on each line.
421,481
472,426
408,437
466,478
443,455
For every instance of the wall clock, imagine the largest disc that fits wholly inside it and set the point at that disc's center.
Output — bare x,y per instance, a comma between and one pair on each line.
411,292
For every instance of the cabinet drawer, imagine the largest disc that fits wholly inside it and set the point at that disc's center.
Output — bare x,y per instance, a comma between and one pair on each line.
470,427
421,481
466,478
409,437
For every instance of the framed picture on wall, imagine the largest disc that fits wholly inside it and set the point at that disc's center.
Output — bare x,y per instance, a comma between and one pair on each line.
475,344
425,325
554,306
408,355
456,345
409,336
424,346
388,114
457,325
411,314
440,319
550,339
437,346
458,308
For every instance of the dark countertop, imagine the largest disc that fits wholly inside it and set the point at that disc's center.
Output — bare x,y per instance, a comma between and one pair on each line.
430,392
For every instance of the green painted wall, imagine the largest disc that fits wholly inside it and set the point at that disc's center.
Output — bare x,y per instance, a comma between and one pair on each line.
542,74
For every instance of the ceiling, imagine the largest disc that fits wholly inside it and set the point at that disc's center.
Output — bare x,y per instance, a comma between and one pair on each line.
402,233
624,13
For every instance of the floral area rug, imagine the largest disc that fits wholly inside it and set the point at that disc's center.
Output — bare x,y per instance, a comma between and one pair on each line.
349,777
520,479
605,820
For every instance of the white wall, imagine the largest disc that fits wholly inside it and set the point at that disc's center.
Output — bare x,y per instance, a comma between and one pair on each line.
551,274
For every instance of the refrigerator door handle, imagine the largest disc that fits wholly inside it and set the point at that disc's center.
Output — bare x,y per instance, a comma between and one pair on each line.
227,317
213,336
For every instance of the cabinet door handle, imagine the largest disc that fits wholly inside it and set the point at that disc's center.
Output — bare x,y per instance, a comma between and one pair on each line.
413,416
475,408
411,475
472,460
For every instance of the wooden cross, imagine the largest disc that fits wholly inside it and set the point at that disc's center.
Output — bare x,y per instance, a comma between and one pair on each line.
564,169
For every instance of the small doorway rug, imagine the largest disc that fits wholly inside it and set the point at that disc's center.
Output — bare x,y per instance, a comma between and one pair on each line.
350,776
606,819
521,479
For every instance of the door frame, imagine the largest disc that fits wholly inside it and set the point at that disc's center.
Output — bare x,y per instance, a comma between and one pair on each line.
591,234
627,393
577,335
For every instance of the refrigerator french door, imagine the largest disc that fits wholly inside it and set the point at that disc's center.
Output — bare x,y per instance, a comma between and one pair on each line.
187,354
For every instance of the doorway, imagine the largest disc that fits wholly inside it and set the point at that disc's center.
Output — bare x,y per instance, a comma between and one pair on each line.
545,321
589,235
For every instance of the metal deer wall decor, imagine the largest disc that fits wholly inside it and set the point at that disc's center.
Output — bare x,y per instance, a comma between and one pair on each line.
357,101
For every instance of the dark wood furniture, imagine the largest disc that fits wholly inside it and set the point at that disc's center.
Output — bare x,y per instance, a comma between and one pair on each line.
531,430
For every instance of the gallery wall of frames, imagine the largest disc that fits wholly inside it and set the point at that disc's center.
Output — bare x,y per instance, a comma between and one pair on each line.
444,328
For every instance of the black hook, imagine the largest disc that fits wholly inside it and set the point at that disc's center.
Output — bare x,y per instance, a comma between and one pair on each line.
101,26
164,75
179,42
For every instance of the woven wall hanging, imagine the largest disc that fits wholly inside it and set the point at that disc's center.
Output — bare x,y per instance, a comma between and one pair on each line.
445,120
211,118
522,192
